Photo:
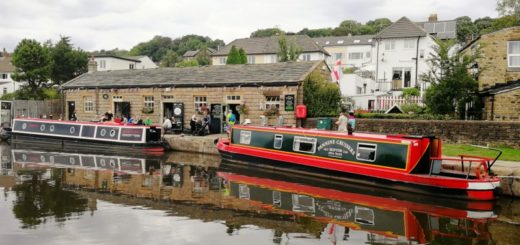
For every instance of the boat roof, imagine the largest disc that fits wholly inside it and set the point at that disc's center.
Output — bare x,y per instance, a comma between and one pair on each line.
321,132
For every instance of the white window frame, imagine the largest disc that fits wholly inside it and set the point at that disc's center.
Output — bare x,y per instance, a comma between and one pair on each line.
149,101
306,57
199,101
251,59
223,60
409,43
245,137
102,64
278,138
272,101
389,45
366,144
88,104
131,66
300,139
355,55
509,55
5,75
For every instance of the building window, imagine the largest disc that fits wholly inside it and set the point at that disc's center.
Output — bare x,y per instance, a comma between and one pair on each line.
200,101
102,64
5,76
167,97
89,104
233,97
270,58
390,45
355,56
223,60
409,43
272,101
401,78
131,66
306,57
5,90
251,59
339,56
359,90
513,54
149,102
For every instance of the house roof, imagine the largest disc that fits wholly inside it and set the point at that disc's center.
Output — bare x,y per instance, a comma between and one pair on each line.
344,40
402,28
514,28
445,29
190,53
134,58
290,73
5,64
269,45
501,88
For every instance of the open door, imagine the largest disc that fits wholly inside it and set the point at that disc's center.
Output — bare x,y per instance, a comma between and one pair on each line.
71,108
122,109
216,125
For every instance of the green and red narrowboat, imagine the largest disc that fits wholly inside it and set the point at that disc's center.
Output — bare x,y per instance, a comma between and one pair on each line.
410,163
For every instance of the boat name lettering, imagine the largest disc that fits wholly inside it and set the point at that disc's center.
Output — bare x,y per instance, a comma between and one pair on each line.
336,151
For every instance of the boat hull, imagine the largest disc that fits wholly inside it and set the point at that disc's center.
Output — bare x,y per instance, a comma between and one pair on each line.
422,184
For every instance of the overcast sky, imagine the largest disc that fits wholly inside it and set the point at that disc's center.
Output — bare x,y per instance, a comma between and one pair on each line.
108,24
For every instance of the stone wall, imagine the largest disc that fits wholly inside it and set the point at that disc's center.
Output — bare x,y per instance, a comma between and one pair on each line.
464,132
506,106
493,63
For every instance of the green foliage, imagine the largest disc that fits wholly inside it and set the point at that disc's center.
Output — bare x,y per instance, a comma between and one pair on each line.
170,59
484,25
322,97
378,25
414,116
349,70
466,29
287,51
508,154
413,109
33,65
115,52
267,32
408,92
508,7
321,32
155,48
451,84
203,57
236,56
187,63
67,63
504,22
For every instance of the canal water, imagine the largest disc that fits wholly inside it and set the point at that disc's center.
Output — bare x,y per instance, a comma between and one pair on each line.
65,197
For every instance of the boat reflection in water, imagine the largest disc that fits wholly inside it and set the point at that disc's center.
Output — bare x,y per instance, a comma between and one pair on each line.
200,187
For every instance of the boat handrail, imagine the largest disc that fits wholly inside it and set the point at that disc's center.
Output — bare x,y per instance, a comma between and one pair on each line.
482,162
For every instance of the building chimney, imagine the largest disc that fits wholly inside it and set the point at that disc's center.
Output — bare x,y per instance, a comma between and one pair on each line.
92,65
432,17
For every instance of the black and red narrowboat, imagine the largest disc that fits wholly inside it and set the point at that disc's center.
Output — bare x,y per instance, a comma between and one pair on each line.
87,135
410,163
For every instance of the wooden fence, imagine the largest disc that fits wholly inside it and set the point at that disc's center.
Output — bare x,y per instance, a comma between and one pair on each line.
384,103
38,108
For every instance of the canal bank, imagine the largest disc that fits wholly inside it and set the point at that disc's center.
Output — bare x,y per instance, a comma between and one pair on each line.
508,171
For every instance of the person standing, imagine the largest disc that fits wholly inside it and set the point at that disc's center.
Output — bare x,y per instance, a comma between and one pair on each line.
342,121
351,123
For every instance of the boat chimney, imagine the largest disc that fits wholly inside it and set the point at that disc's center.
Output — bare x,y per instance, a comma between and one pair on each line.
432,17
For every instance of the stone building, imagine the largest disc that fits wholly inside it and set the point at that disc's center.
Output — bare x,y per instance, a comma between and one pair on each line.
499,68
248,90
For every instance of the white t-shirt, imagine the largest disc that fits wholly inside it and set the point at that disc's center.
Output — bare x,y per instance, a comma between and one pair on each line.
342,123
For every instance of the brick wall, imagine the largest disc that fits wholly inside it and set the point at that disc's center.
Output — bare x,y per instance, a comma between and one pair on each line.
506,106
464,132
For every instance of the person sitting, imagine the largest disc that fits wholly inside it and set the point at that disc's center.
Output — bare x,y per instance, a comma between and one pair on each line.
351,123
193,123
167,125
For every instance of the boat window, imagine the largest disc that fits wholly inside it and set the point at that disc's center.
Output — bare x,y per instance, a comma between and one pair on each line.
245,137
366,152
278,140
277,199
304,144
364,216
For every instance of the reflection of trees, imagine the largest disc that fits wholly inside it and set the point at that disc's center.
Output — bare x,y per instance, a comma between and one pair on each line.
37,199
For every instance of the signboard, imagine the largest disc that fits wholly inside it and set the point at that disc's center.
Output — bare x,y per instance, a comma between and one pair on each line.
289,102
132,134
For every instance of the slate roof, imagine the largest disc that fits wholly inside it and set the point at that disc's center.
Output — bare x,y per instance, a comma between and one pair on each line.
290,73
501,88
118,57
344,40
402,28
190,53
5,64
269,45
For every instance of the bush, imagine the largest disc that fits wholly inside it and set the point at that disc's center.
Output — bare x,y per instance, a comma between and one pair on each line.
413,109
403,116
322,97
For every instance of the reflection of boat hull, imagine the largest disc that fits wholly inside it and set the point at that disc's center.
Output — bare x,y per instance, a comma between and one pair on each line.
399,162
70,134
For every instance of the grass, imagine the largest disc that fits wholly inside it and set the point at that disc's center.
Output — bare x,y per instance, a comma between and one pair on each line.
508,154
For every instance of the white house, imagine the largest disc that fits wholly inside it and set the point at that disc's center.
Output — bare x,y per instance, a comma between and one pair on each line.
352,51
264,50
112,62
7,84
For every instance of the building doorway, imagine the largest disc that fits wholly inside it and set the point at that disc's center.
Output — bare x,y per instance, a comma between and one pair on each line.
121,109
71,108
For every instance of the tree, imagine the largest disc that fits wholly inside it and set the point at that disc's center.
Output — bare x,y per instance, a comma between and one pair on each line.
236,56
242,56
322,97
347,27
155,48
33,65
504,22
508,7
452,86
187,63
169,59
203,57
287,51
67,63
466,29
378,25
267,32
322,32
483,25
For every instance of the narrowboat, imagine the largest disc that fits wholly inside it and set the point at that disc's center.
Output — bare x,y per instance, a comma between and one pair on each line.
87,135
409,163
347,208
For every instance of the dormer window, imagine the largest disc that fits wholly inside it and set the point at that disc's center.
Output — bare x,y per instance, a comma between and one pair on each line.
356,41
340,41
513,54
369,40
327,42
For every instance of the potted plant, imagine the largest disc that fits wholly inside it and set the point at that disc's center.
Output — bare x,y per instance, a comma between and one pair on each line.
272,111
147,110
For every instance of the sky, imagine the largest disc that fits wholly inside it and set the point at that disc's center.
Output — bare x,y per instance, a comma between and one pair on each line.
108,24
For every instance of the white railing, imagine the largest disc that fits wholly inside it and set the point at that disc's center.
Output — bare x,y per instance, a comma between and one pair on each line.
384,103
